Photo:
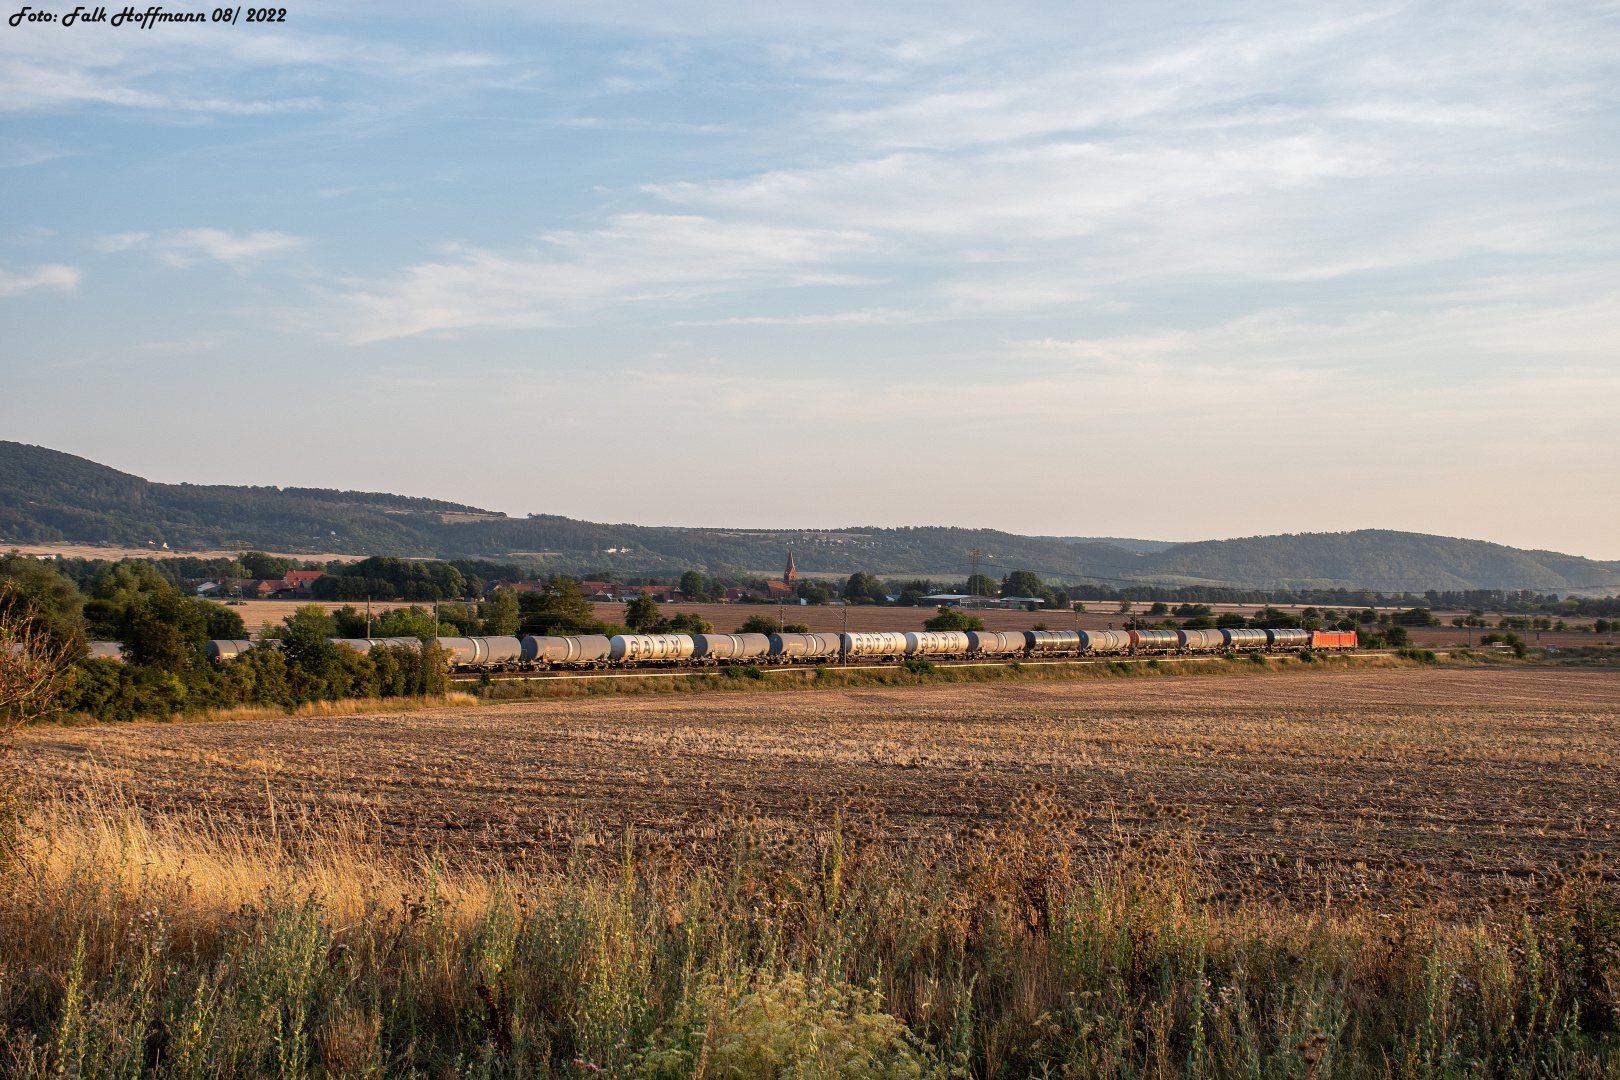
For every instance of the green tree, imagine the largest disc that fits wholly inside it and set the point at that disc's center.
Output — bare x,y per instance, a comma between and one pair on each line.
54,602
978,585
864,589
259,565
692,585
501,614
1270,618
413,621
348,622
1022,583
220,621
640,613
558,610
312,660
758,624
112,590
685,622
1125,605
1230,620
950,618
1159,608
164,631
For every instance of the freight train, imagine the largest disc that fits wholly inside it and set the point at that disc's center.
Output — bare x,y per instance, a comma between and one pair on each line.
510,654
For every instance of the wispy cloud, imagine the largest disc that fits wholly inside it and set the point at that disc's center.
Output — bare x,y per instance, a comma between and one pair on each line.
50,276
186,247
200,69
636,258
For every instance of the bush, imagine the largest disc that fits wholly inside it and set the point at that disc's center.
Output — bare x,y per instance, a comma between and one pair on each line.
786,1026
919,666
950,618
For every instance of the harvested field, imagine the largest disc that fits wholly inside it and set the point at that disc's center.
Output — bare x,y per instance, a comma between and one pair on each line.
1298,784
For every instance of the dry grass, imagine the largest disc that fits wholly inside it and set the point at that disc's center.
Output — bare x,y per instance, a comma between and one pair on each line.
142,945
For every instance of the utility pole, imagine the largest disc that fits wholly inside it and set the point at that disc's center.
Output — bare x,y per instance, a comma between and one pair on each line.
435,618
368,616
974,558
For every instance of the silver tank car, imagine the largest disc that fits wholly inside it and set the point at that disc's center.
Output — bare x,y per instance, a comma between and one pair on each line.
105,650
1288,639
936,643
650,647
992,643
591,648
1105,641
881,644
1200,640
730,646
1153,640
481,651
1245,639
365,644
220,650
1051,641
804,646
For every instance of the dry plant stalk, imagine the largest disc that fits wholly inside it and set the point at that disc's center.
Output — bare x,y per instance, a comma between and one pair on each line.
33,668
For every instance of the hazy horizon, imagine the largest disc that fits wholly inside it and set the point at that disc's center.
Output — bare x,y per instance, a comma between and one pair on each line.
1171,270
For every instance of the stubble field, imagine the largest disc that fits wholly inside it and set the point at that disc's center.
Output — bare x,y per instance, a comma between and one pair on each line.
1349,786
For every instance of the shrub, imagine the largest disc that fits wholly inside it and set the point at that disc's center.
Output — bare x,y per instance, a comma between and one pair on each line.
785,1026
950,618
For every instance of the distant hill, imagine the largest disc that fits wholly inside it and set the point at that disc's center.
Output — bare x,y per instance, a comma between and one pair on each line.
1138,547
1380,559
46,495
50,496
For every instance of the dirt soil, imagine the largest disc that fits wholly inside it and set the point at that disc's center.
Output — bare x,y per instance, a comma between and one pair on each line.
1292,782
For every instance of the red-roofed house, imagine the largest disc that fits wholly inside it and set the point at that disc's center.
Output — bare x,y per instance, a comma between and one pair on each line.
298,582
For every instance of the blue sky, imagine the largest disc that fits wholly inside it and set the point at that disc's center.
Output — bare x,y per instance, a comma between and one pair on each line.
1168,270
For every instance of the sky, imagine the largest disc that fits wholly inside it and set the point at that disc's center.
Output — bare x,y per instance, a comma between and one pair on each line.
1168,270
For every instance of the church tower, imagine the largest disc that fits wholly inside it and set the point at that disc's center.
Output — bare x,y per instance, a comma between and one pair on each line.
791,575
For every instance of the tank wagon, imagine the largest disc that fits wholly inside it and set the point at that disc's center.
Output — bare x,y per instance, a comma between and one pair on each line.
714,648
540,653
220,650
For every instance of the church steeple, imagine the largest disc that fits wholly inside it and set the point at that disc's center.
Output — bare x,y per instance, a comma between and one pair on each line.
791,574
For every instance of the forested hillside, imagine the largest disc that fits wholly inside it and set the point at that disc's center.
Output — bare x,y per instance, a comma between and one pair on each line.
46,495
49,496
1380,559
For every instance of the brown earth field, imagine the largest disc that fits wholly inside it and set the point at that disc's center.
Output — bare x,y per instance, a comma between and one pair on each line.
1358,785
